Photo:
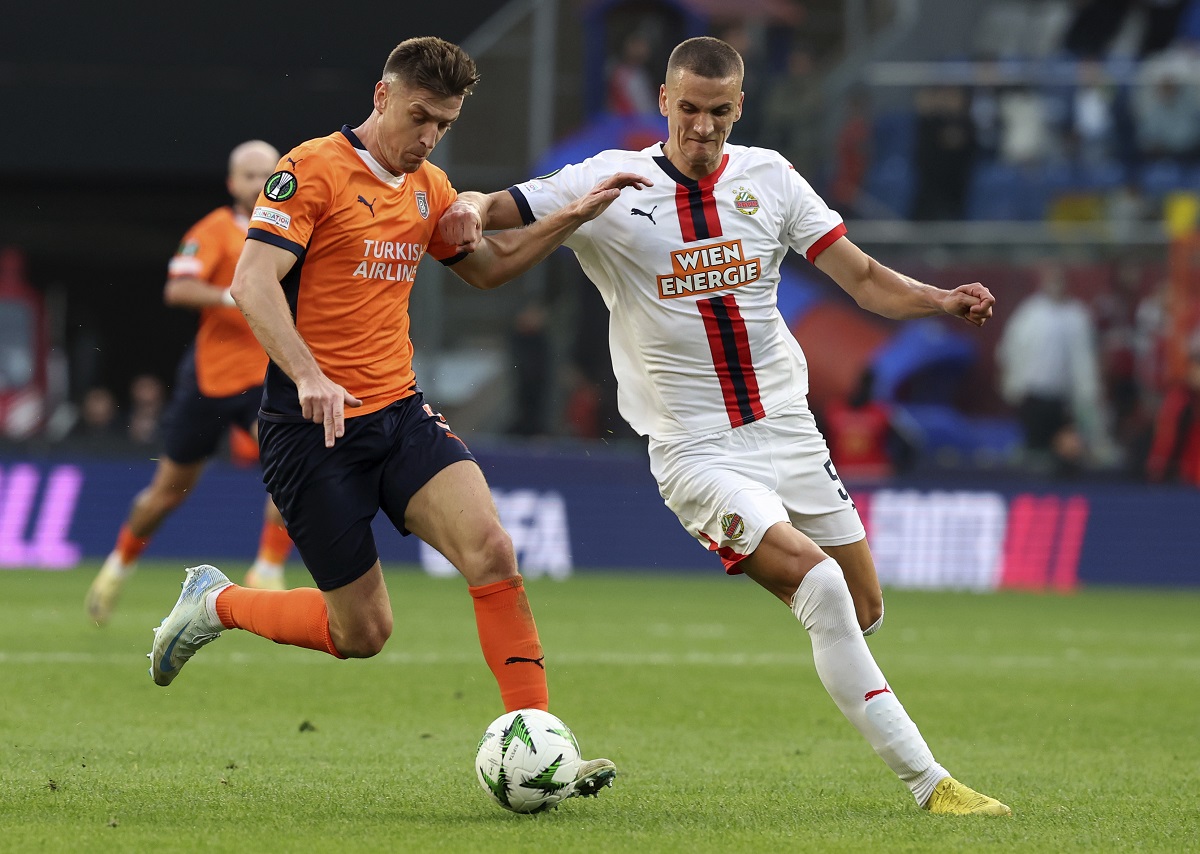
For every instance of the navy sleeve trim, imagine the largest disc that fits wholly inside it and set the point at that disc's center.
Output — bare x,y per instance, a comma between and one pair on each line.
453,259
527,216
275,240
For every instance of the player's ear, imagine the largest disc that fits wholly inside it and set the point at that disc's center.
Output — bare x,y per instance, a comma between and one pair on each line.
662,98
381,96
738,113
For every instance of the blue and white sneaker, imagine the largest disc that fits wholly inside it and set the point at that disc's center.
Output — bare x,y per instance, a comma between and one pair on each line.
192,623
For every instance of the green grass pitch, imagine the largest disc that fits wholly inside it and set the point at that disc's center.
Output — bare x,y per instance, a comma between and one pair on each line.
1080,711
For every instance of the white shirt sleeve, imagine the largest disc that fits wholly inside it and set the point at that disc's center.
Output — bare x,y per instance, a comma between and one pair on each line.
539,197
811,225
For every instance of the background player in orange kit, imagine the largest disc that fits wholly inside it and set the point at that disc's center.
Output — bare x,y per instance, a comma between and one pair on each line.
218,385
325,279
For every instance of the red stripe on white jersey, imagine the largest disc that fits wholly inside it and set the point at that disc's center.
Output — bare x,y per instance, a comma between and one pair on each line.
825,242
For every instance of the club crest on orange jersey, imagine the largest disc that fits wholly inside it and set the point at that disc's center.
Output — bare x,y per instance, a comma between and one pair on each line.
422,204
732,526
744,202
280,187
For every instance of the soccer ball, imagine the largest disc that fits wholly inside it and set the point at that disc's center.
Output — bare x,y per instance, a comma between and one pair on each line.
527,760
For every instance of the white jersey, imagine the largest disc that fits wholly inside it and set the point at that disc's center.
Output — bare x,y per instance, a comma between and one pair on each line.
689,271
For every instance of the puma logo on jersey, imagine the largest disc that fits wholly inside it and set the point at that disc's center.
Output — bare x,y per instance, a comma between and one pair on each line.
649,216
370,205
294,162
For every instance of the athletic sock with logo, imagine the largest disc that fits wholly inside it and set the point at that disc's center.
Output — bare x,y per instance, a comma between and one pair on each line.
297,617
509,639
852,678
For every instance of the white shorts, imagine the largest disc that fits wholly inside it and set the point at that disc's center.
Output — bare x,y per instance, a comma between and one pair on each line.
728,488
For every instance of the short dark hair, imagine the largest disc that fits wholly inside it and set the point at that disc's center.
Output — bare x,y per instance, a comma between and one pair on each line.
431,64
706,57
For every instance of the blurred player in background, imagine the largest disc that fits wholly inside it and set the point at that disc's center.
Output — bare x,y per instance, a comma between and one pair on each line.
218,385
325,278
709,371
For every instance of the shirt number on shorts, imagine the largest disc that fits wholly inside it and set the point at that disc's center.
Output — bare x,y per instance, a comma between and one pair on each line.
829,470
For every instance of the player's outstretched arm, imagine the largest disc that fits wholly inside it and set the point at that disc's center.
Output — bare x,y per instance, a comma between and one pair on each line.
891,294
501,256
190,292
256,289
463,223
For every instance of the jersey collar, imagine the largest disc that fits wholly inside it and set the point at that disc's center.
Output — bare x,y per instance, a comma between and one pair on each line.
665,164
394,181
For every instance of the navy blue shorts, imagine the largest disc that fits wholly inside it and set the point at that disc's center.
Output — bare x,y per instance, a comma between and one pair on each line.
193,424
330,496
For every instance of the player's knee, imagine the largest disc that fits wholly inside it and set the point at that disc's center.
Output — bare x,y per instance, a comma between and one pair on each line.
366,639
491,559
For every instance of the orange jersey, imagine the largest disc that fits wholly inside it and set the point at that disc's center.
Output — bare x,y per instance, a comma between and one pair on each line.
358,233
229,358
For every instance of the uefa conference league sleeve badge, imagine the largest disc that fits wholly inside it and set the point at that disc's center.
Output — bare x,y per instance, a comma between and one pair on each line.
280,187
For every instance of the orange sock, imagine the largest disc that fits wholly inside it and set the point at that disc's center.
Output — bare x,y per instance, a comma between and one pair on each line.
274,545
297,617
128,546
510,643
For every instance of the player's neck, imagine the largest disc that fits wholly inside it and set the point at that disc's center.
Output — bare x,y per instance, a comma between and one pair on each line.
367,134
695,171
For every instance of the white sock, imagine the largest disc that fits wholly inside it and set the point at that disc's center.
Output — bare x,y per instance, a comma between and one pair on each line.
118,567
266,569
875,626
849,673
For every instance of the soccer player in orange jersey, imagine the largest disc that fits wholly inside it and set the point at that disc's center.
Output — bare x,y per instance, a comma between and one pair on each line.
345,431
218,385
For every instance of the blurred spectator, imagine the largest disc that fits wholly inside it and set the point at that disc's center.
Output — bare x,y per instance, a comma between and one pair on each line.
1127,207
864,443
630,89
146,398
529,348
1025,137
1168,117
1050,372
1093,117
984,109
794,112
852,155
1151,333
97,430
591,407
1175,450
945,152
1115,311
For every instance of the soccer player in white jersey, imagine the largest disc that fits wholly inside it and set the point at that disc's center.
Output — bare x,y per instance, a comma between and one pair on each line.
708,370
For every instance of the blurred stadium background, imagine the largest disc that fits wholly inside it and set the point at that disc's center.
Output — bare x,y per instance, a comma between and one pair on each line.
1048,148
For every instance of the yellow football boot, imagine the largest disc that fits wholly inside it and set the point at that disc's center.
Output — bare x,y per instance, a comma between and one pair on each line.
951,797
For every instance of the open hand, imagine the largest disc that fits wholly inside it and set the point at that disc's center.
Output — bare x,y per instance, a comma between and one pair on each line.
606,192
